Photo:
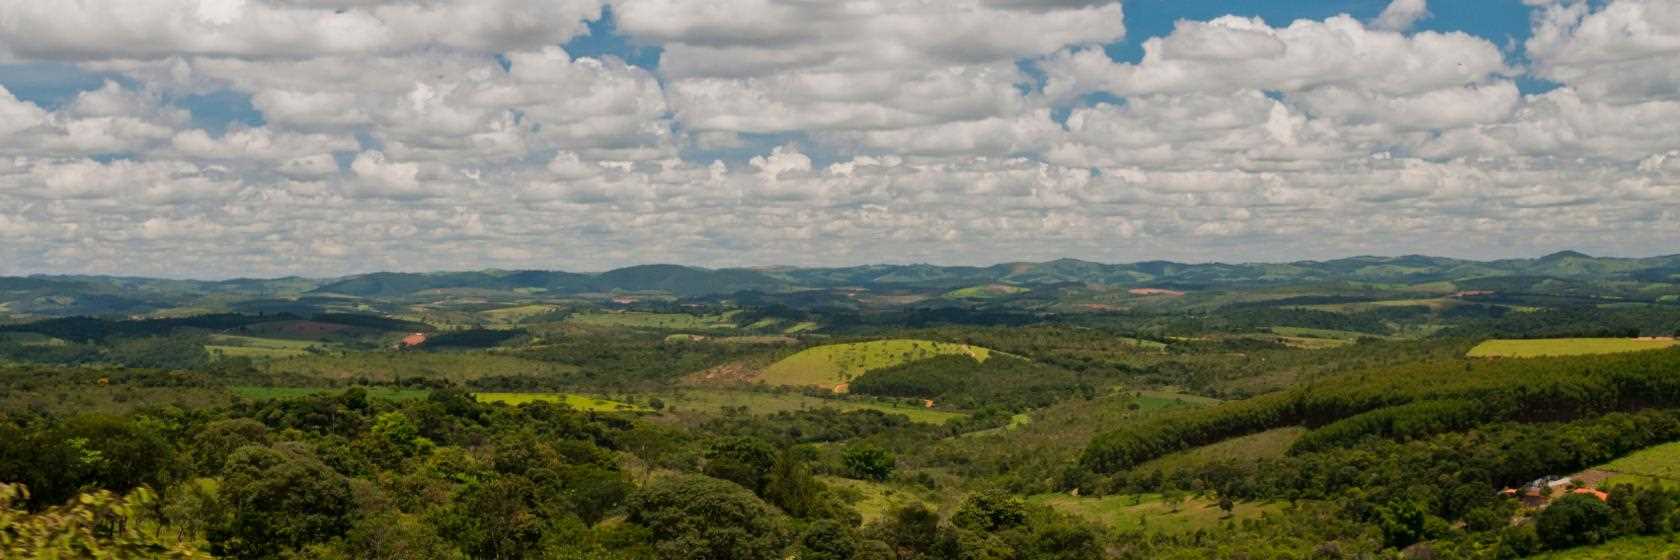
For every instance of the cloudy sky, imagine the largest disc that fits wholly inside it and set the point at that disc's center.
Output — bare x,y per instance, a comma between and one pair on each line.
216,138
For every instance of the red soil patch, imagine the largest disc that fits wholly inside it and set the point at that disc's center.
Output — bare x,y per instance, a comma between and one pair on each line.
415,339
1154,292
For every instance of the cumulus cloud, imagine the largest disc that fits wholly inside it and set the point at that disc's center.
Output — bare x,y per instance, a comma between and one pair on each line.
1401,15
416,135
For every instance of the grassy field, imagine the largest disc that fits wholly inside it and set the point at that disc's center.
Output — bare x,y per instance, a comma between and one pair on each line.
264,393
576,401
1654,548
387,366
872,500
1657,465
987,291
1151,512
516,314
644,320
801,327
1148,400
711,400
1267,444
827,366
1563,347
255,347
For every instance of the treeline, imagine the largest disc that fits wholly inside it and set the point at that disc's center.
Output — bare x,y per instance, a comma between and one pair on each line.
445,477
1578,321
1529,390
1440,491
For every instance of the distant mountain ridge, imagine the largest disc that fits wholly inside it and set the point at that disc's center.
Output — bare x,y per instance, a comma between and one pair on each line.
16,293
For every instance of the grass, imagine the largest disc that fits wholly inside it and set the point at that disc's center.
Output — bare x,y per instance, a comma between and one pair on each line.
1654,465
1302,332
383,393
759,402
645,320
987,291
1267,444
800,327
256,347
387,366
872,500
576,401
1534,348
514,315
1654,548
1148,400
1151,512
826,366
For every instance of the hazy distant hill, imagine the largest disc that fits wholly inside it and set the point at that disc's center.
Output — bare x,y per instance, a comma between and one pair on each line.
1563,272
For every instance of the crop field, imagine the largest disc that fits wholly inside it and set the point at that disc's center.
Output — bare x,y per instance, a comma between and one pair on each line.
576,401
1152,512
385,393
254,347
387,366
1263,445
644,320
827,366
1619,549
711,400
1534,348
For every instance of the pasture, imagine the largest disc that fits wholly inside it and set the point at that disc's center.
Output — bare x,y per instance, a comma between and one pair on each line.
230,346
1653,465
759,402
1539,347
573,400
646,320
872,500
1628,547
1152,512
388,366
833,364
987,291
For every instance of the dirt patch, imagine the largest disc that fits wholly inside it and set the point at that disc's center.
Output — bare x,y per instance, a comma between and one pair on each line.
1154,292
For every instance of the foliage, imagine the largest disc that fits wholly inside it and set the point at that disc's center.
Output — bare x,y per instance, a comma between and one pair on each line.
703,518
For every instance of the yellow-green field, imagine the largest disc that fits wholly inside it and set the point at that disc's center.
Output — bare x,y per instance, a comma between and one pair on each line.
757,402
644,320
1534,348
513,315
801,327
833,364
872,500
987,291
387,366
1656,465
1654,548
1151,512
253,347
1263,445
576,401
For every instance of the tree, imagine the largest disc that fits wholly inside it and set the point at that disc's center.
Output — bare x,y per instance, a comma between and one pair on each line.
280,499
791,486
867,462
702,518
1573,520
827,540
743,460
992,510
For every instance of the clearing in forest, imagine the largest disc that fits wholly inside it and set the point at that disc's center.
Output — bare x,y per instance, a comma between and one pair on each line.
1153,512
1534,348
228,346
833,364
576,401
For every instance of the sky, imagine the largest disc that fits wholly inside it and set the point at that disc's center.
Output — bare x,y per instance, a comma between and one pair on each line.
228,138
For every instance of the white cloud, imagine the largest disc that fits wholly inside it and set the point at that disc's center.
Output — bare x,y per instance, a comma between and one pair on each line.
1401,15
852,131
